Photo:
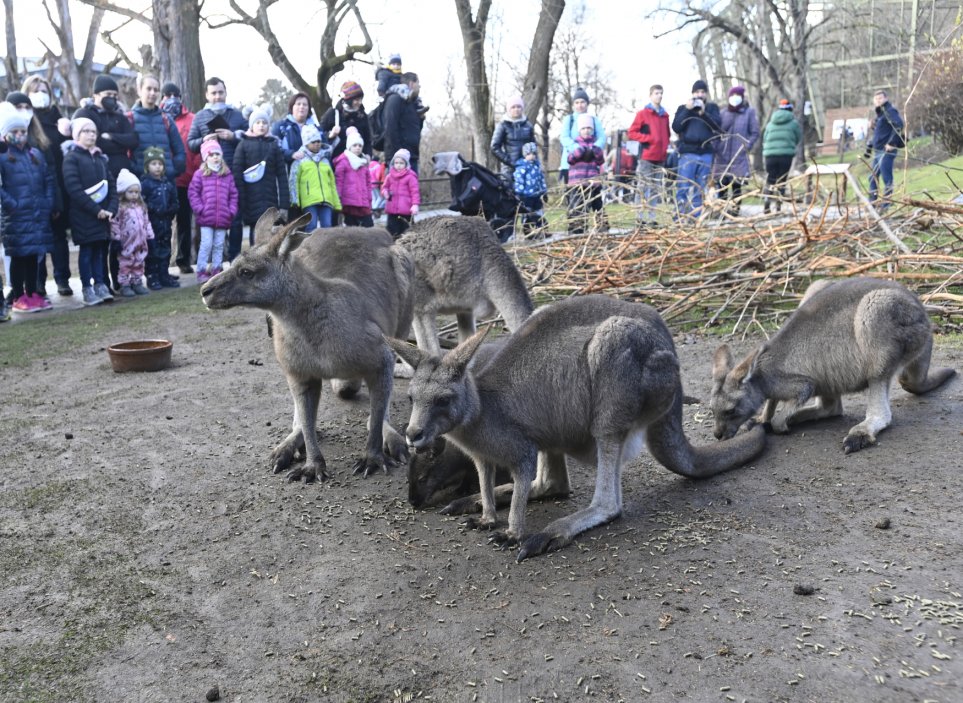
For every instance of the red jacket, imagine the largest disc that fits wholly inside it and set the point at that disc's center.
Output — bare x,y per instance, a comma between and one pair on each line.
183,123
401,191
651,129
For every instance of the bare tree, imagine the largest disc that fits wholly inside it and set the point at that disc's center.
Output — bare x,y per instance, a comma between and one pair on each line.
76,75
479,91
331,61
10,60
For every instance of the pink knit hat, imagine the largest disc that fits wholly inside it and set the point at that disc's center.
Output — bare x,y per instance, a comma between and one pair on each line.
586,120
402,154
209,147
78,124
515,100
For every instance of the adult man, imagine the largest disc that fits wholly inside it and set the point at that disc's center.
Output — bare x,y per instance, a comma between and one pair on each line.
651,130
698,125
887,139
220,121
174,107
115,134
401,119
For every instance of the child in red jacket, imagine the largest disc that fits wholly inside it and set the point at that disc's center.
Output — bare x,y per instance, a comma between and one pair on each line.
401,192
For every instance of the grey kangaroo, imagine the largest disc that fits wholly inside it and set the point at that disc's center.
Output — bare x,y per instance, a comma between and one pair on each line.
846,336
592,377
331,298
461,269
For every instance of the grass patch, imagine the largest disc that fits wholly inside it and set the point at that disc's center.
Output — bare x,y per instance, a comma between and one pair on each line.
55,334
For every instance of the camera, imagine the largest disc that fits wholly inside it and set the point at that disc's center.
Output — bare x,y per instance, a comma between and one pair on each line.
697,104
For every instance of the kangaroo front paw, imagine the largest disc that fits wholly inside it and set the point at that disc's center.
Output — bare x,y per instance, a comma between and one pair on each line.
368,465
396,449
504,540
480,523
282,457
462,506
540,543
856,440
310,472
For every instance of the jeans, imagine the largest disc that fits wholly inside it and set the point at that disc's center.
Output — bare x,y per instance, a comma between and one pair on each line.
321,216
91,261
650,175
882,168
693,177
211,249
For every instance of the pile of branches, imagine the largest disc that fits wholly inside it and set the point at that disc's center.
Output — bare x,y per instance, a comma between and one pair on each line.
752,271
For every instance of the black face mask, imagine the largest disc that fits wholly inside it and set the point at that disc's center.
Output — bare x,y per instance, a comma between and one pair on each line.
109,104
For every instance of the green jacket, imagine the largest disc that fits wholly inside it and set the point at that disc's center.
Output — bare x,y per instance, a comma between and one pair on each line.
313,183
782,134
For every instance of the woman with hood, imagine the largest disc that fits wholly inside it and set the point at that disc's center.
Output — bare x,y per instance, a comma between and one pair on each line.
779,143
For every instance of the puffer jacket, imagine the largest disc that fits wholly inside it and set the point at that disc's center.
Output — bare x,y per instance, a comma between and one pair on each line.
507,142
84,169
782,134
213,198
740,132
312,180
121,139
272,189
201,127
529,179
155,128
585,161
288,133
357,119
401,191
354,184
48,120
132,229
27,197
570,133
160,196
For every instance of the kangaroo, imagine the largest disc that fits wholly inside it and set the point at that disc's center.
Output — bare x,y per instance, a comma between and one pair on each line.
331,297
592,377
461,269
846,336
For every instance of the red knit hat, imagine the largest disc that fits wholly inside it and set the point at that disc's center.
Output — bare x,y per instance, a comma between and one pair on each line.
351,90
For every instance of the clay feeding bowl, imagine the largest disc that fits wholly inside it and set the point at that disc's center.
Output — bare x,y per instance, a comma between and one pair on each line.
142,355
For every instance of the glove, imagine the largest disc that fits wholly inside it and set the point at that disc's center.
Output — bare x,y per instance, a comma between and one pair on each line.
414,210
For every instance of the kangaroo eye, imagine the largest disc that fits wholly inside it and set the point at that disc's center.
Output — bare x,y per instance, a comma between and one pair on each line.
443,402
247,273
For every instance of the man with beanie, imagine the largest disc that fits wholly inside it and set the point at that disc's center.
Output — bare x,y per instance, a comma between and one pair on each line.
650,129
221,122
347,112
697,123
887,140
402,121
511,134
174,107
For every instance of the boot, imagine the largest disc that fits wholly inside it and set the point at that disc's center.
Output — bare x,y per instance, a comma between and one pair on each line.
765,200
139,288
126,291
168,281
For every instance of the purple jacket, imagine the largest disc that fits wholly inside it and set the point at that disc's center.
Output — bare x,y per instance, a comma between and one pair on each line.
401,191
585,161
740,131
354,184
213,198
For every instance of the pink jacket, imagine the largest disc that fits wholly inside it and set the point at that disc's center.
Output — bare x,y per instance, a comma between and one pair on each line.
213,198
131,227
401,191
353,184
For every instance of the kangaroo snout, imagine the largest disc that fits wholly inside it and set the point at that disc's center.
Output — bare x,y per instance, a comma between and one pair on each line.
415,437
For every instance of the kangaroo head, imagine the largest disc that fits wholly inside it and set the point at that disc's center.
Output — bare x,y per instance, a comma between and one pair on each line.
258,276
442,390
736,395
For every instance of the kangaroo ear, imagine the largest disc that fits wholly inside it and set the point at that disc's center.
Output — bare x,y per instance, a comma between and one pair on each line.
460,356
300,222
721,364
408,352
289,240
743,373
264,229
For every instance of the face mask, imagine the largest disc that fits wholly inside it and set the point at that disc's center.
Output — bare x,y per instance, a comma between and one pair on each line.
40,100
19,138
109,104
172,106
735,100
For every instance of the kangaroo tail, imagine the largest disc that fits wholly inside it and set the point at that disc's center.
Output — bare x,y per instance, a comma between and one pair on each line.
917,378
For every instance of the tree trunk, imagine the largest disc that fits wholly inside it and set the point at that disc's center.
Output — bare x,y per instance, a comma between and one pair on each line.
535,89
479,92
186,63
10,61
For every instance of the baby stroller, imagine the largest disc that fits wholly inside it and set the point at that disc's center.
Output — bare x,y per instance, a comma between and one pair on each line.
477,191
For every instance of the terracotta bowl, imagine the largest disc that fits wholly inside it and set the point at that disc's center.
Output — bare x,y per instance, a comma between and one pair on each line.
142,355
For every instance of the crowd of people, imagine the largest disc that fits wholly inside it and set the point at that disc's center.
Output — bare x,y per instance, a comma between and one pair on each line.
123,183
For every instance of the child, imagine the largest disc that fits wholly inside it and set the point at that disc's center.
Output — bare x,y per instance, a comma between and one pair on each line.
131,229
585,162
160,195
353,180
530,187
401,191
213,197
93,203
259,170
27,197
313,187
390,76
377,170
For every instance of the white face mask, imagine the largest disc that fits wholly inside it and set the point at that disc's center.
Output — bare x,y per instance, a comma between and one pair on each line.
26,112
40,100
735,100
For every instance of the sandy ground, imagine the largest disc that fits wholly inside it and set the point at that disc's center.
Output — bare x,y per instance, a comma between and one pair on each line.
149,554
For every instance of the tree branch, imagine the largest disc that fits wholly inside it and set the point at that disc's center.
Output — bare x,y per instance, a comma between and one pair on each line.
117,9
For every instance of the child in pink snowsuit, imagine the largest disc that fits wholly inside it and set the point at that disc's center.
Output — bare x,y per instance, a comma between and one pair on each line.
401,191
131,228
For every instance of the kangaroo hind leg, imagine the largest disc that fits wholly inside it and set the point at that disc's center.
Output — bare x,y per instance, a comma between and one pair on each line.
878,417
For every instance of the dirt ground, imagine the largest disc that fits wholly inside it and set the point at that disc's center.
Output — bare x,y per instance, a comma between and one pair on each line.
149,554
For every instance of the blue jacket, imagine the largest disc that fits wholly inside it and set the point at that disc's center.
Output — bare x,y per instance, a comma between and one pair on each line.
529,179
27,197
160,196
156,128
697,129
889,127
570,134
200,128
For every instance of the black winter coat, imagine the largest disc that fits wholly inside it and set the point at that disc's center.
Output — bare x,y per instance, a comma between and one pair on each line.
48,120
115,136
201,127
508,140
81,171
28,197
698,130
357,119
272,189
402,126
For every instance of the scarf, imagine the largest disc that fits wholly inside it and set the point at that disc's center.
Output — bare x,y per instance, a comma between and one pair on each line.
356,161
217,108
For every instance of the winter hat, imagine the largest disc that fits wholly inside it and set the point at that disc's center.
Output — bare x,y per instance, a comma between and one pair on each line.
402,154
209,147
10,119
737,90
259,113
153,153
700,85
351,90
515,100
586,120
125,180
394,58
310,133
529,148
79,123
352,137
18,98
171,89
580,94
785,104
104,82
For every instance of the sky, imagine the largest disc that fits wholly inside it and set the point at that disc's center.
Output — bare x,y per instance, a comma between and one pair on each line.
424,32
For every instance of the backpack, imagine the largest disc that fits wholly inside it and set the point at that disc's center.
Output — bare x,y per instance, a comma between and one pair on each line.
376,120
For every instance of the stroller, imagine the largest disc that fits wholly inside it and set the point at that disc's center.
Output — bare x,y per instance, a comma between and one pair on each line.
477,191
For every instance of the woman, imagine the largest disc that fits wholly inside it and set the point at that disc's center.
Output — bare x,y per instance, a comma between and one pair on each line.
730,164
580,103
288,130
155,128
511,134
348,112
779,143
